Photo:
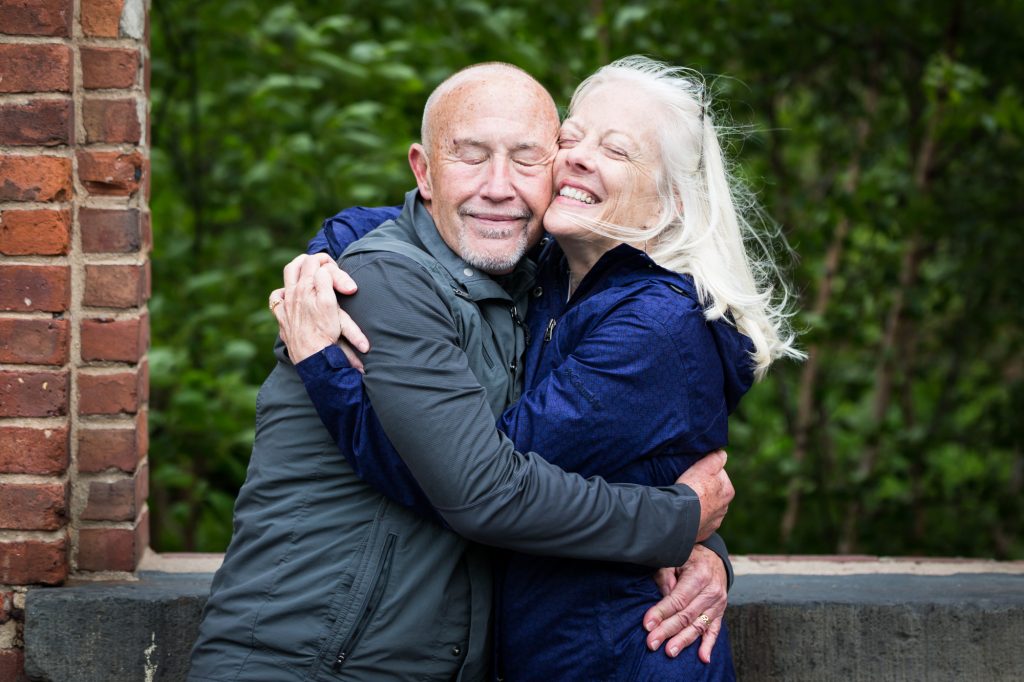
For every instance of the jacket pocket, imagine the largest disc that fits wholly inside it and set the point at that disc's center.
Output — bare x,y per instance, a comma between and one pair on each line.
375,593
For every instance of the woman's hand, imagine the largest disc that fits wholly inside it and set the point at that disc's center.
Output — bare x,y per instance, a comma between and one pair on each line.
694,603
307,311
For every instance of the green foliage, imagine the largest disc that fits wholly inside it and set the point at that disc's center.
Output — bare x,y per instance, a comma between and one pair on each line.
884,137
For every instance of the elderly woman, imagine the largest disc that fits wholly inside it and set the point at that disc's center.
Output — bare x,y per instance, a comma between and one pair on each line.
647,327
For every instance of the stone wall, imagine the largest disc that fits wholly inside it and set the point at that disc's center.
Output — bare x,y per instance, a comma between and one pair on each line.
74,281
842,618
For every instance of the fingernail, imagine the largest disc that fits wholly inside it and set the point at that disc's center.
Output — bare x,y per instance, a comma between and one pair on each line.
673,651
655,644
650,625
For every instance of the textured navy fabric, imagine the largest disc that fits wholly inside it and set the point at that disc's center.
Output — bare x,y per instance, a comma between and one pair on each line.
345,227
626,380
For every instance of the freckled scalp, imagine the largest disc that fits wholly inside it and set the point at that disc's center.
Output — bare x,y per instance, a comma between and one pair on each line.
478,86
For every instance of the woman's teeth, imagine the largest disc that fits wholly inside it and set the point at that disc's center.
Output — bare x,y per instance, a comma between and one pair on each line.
577,194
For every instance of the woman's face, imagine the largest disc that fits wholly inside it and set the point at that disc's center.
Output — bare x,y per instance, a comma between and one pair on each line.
607,163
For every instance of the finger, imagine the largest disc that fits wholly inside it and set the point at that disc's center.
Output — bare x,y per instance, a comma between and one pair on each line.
665,579
291,271
706,602
280,315
353,359
707,642
351,331
714,462
684,639
343,283
309,266
669,605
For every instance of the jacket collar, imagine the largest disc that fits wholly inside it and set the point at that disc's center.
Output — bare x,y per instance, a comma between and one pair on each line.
473,283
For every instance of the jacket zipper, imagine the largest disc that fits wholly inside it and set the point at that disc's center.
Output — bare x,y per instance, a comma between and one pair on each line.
550,331
379,583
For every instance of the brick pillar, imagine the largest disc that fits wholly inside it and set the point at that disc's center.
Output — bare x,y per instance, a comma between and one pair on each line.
74,282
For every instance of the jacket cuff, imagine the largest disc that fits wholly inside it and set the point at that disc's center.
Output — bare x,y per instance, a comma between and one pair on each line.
690,522
717,545
318,364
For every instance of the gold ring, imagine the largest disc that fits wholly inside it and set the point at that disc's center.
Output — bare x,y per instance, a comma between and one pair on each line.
704,619
274,302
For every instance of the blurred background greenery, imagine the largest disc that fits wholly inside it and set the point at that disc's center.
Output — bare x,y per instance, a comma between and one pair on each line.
885,139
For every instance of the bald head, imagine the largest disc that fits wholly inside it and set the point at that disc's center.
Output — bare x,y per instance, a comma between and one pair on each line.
483,168
479,86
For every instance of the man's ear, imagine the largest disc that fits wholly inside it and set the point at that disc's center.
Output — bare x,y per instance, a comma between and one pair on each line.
421,169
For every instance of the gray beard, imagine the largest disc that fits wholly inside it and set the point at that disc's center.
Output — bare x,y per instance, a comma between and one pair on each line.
493,264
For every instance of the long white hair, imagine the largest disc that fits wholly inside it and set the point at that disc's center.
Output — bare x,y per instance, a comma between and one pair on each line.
703,229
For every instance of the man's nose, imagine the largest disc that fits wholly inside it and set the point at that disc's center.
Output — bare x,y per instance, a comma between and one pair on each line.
498,184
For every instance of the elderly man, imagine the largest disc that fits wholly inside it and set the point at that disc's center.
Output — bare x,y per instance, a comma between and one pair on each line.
325,578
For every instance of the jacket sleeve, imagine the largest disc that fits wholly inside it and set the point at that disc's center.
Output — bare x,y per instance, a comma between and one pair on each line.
435,412
336,391
346,226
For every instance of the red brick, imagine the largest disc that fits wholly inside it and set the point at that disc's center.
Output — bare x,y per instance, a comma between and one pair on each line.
33,394
35,178
33,341
12,664
29,450
109,67
147,231
112,549
117,501
110,173
116,286
110,393
102,18
111,120
33,506
115,340
110,230
144,381
35,287
36,18
104,449
26,562
35,233
35,68
44,122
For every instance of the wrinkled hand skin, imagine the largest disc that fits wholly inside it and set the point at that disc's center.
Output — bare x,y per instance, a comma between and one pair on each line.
308,316
707,478
697,587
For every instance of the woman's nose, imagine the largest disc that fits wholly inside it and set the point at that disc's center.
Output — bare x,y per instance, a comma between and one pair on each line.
580,157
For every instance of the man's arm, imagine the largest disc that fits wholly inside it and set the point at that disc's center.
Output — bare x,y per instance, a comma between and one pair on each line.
435,413
337,393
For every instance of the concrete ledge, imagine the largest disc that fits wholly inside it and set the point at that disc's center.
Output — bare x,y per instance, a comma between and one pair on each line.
861,620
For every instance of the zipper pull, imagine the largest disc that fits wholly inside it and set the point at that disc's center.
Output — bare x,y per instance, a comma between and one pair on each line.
339,661
518,321
550,331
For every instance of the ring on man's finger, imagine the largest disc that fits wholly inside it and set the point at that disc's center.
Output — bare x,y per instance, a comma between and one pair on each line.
704,621
274,302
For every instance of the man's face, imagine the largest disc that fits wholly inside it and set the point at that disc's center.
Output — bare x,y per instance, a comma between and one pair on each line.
487,178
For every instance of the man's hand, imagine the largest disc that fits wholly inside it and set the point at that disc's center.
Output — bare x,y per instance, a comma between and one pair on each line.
307,309
708,479
697,588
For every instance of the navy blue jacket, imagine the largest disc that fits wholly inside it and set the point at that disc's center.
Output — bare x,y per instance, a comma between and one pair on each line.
626,380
